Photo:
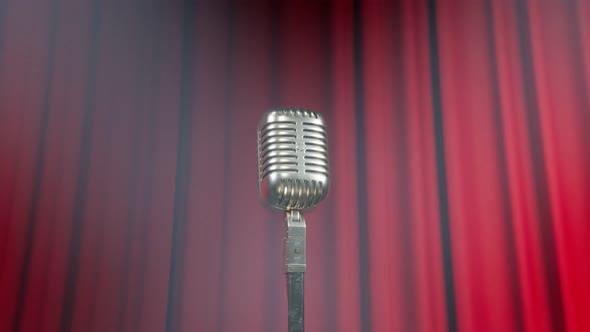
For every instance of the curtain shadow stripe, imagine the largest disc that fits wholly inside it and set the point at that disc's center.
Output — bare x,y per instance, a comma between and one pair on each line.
539,173
274,226
401,150
38,171
582,80
331,291
183,166
359,101
149,161
132,211
227,150
276,36
3,10
82,177
503,169
441,170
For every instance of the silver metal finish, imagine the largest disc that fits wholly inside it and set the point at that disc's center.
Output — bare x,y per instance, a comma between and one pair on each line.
294,242
295,299
292,159
293,176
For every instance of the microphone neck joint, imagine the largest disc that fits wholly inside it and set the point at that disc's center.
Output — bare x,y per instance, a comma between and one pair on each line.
295,238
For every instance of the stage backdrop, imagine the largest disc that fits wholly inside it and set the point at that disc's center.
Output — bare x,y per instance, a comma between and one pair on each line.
459,135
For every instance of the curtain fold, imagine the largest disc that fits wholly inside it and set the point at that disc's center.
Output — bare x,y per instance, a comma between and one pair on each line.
459,134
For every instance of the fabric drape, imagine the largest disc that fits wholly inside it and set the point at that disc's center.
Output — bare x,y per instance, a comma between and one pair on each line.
459,134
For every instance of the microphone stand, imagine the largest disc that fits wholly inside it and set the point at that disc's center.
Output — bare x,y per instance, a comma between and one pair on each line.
294,231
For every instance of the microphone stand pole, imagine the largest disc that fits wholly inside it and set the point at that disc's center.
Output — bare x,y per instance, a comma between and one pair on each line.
294,231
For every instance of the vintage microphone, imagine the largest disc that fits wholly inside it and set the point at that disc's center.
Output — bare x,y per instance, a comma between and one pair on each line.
293,176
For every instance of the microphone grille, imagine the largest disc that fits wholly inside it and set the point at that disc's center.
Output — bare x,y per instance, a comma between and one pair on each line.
292,159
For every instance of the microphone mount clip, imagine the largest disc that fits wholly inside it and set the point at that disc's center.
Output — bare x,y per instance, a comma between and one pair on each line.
295,231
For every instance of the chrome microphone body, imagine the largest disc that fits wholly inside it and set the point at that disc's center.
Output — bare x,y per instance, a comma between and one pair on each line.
292,159
293,175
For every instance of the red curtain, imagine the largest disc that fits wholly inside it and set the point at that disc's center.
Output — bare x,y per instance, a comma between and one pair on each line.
459,146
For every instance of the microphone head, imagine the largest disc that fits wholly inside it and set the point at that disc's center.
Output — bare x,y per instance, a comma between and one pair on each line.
292,159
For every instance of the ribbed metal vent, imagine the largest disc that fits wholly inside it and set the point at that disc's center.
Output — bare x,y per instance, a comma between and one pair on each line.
315,158
299,194
292,158
277,147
